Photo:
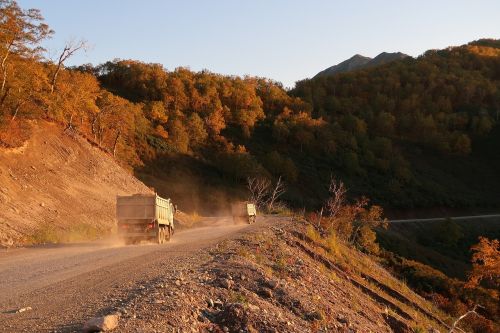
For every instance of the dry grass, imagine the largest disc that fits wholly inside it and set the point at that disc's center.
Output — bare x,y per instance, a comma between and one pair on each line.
187,221
81,232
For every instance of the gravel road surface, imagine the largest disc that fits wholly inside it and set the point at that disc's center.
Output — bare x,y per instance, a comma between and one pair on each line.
67,284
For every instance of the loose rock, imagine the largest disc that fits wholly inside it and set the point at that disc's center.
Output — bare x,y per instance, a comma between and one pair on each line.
101,324
266,292
342,319
28,308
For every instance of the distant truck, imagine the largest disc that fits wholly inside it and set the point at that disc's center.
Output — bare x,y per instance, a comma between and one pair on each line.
245,211
145,217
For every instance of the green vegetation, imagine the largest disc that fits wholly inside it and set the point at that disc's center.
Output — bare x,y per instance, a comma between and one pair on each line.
434,259
442,245
448,294
411,133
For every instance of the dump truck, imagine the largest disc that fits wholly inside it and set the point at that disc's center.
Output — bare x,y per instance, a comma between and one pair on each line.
145,217
244,211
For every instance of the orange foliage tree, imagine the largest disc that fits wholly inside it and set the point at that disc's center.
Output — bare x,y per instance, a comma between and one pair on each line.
485,262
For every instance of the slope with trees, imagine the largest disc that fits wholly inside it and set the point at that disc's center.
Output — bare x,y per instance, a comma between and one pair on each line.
412,133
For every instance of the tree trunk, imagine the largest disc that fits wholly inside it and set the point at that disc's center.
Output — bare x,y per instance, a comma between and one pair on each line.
94,122
116,142
70,122
4,96
4,66
100,135
4,78
16,111
54,78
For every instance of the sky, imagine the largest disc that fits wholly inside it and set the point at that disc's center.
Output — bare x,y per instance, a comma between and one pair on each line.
285,40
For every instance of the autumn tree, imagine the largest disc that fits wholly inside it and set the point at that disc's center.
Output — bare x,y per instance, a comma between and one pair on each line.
485,262
112,120
26,89
21,32
121,122
196,129
179,136
156,112
75,98
215,121
351,222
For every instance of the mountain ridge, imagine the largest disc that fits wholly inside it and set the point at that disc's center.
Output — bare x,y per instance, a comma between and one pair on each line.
359,61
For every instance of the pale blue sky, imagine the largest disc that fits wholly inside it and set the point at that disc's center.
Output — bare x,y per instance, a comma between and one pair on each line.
283,40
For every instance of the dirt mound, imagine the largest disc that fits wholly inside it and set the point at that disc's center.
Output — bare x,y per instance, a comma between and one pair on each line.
57,181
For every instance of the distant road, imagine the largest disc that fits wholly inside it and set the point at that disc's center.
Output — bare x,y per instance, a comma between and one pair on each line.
435,219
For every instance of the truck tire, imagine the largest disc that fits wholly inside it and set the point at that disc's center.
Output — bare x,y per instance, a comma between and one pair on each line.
159,235
168,233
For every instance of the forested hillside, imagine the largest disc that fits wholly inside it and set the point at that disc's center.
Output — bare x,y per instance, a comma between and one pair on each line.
412,133
420,131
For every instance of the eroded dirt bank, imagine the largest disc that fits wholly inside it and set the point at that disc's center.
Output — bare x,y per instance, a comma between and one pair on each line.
58,180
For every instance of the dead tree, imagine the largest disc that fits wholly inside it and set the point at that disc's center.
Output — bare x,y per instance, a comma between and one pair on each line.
332,207
276,192
337,198
69,49
259,190
468,313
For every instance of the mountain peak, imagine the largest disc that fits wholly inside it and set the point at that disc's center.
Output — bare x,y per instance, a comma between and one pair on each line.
359,61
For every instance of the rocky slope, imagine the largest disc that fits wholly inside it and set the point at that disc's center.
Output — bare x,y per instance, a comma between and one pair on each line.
58,181
276,279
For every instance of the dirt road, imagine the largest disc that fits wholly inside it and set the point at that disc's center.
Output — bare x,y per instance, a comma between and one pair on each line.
65,285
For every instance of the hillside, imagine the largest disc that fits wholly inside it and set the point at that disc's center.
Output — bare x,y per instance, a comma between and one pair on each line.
444,245
58,185
415,133
277,279
418,133
359,62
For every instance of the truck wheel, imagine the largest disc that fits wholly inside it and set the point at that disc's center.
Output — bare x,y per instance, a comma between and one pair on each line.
163,235
168,233
159,236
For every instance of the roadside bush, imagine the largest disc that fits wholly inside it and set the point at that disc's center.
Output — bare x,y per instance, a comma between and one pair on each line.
51,234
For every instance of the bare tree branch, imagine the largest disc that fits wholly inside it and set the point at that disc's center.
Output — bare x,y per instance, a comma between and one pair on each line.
69,49
468,313
337,198
259,190
277,192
